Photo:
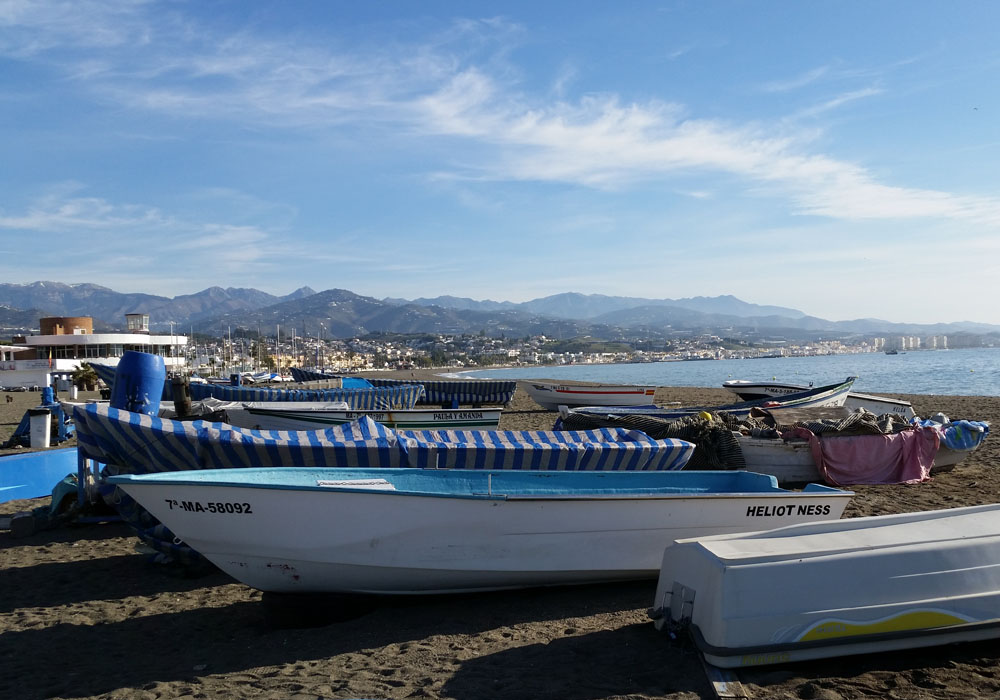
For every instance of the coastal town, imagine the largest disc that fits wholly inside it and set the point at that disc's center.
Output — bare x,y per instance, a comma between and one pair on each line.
62,344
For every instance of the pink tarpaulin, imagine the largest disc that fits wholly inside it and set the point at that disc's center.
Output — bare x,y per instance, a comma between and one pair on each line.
901,458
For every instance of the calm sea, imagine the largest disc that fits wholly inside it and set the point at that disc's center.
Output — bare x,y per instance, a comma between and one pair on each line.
972,372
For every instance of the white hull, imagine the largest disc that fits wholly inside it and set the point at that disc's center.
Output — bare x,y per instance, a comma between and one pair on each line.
792,462
836,588
327,540
879,405
281,416
551,396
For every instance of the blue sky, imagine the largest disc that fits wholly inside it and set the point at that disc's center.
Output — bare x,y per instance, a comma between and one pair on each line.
836,157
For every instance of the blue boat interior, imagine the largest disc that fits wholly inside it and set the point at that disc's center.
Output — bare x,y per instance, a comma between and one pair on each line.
34,474
478,483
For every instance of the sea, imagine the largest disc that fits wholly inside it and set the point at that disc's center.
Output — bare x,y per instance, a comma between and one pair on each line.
965,372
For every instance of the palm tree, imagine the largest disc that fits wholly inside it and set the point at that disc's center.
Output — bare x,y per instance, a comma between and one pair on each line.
84,377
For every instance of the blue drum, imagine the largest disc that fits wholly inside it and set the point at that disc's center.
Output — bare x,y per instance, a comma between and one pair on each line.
139,381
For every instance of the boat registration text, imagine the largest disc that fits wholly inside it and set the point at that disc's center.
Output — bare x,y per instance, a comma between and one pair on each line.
221,507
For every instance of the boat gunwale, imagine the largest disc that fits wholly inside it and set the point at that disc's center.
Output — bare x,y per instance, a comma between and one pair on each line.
791,647
607,494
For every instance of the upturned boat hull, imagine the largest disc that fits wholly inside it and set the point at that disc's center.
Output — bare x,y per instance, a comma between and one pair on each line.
404,531
828,589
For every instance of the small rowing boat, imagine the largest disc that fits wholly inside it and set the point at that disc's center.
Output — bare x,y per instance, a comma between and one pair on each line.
552,395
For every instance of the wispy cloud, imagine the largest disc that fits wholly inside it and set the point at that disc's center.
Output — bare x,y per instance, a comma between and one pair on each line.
457,86
807,78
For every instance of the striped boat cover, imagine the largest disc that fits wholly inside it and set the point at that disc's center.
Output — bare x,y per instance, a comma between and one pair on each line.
359,398
437,392
371,399
137,443
603,449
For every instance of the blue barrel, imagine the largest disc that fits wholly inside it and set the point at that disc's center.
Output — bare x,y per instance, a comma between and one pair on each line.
234,380
139,381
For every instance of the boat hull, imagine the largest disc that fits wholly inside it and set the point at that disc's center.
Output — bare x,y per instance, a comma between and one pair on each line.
792,462
832,395
551,396
830,589
879,405
500,530
290,418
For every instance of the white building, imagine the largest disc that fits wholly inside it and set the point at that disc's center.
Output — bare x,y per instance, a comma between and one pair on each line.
63,343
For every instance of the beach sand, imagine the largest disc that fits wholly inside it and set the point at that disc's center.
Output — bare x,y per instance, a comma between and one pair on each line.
84,615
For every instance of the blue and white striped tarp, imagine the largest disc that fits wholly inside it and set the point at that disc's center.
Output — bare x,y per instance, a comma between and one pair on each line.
603,449
379,398
137,443
443,392
361,397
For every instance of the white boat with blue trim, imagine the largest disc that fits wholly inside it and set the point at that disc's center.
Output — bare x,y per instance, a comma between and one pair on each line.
753,391
818,397
852,586
406,531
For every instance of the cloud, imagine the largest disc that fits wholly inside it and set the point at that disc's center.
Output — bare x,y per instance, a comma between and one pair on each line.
459,87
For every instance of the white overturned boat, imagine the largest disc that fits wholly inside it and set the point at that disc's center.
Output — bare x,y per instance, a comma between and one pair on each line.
552,395
753,391
826,589
403,531
303,415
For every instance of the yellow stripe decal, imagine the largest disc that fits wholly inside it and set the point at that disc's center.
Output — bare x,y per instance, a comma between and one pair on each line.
914,620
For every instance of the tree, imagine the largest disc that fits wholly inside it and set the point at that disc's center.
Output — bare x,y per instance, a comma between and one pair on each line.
84,377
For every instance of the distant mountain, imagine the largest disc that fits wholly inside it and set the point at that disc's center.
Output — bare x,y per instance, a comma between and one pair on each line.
109,307
18,321
339,313
462,303
574,305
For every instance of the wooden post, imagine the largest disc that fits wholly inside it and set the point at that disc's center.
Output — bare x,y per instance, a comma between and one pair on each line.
181,388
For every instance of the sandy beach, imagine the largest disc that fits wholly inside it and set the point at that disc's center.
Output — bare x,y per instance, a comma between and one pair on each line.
84,615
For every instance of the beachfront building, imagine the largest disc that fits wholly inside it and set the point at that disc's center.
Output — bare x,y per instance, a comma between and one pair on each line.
63,343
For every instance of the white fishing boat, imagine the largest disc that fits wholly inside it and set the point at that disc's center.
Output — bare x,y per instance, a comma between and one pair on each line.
818,397
304,415
552,395
752,391
852,586
405,531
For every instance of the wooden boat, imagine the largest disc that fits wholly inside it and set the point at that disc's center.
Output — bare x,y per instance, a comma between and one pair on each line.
751,391
835,588
404,531
297,415
552,395
791,462
829,395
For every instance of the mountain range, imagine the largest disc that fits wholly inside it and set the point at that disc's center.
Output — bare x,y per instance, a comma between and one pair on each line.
339,313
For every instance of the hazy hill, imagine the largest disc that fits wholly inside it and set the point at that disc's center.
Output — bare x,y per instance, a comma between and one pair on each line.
340,313
109,307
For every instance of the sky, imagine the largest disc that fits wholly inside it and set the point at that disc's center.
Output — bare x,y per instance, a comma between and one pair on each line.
839,158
